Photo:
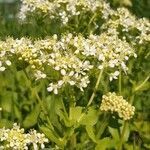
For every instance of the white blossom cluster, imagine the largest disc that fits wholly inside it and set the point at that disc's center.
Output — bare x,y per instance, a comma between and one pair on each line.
17,139
68,60
129,23
108,49
67,9
112,102
64,9
4,60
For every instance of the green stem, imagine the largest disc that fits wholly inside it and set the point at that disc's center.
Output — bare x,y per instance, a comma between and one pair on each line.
120,87
134,145
125,125
93,94
1,113
131,99
142,84
72,142
91,20
95,89
122,135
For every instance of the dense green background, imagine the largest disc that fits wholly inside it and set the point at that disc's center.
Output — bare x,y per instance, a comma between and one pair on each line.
9,25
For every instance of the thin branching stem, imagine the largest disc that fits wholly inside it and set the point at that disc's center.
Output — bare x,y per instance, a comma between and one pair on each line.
142,84
93,94
95,89
120,82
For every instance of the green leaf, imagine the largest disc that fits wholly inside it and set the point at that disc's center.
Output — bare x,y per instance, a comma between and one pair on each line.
114,132
142,85
90,131
126,133
91,117
64,118
75,113
57,112
17,113
6,102
128,146
105,143
31,118
5,123
52,136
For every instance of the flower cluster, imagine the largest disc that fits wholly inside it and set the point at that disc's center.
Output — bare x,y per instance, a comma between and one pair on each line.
15,138
4,60
112,102
108,49
70,58
64,9
123,20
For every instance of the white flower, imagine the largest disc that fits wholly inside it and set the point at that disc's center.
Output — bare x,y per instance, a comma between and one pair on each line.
100,67
63,72
8,62
39,75
101,57
55,87
2,68
114,75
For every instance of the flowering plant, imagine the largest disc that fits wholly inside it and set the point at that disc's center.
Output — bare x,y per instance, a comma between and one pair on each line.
71,85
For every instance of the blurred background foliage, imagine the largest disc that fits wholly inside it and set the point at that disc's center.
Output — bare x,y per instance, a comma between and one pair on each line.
139,69
9,25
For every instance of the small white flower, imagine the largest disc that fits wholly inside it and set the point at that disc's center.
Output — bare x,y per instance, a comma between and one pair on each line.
63,72
55,87
2,68
8,62
100,67
101,57
40,75
114,75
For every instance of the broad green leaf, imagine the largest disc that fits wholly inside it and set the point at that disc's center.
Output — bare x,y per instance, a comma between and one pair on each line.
64,118
105,143
52,137
6,101
31,118
75,113
57,109
90,131
128,146
90,118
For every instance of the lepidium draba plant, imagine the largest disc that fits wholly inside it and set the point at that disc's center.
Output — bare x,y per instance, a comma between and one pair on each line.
72,85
